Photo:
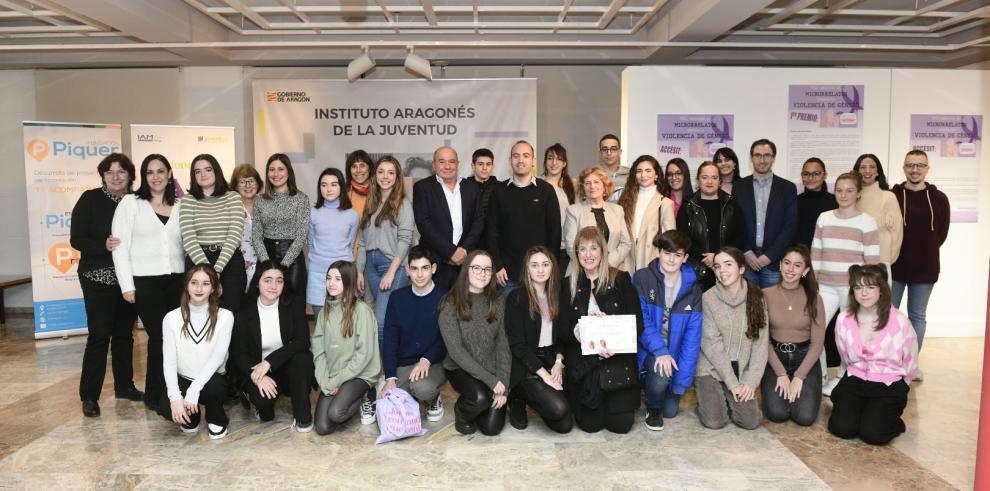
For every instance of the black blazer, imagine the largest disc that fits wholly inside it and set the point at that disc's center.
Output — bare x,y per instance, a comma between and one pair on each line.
433,217
245,342
619,299
524,335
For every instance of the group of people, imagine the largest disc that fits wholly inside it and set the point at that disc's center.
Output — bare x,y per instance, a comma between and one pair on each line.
731,285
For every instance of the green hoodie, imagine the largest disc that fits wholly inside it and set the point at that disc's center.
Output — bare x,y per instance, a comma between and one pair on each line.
339,359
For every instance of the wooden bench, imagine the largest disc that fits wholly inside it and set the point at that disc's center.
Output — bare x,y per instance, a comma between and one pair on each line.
7,281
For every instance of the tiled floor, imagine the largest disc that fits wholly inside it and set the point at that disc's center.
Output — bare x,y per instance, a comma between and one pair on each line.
46,443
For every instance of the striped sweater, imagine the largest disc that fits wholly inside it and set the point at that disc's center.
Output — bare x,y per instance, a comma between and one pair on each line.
211,220
842,242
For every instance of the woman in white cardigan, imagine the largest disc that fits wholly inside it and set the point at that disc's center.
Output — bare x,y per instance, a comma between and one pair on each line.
594,211
150,260
648,210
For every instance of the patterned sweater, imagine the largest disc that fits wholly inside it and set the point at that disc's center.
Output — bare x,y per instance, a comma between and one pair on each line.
890,356
840,243
209,221
282,217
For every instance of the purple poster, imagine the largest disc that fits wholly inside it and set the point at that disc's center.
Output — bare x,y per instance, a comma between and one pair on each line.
824,121
692,137
952,142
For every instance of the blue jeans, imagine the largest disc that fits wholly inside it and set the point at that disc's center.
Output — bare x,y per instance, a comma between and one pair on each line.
375,268
658,394
918,295
764,278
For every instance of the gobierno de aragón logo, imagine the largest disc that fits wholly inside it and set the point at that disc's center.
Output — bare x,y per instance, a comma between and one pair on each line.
286,96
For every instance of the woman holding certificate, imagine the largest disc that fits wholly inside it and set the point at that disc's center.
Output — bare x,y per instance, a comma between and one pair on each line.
603,387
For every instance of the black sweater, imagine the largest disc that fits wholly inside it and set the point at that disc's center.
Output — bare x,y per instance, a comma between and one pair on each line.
519,218
91,220
811,204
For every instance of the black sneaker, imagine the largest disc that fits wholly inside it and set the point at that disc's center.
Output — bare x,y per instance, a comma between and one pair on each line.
130,394
517,414
91,409
654,419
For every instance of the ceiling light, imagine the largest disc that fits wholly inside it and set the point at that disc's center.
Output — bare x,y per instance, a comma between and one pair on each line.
360,65
418,65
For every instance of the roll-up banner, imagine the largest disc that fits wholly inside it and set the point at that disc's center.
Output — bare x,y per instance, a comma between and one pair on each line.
60,162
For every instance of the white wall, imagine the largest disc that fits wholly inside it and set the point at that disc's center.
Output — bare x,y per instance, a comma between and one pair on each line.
758,99
18,105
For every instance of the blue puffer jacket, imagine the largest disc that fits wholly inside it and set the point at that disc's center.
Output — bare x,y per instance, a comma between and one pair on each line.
685,322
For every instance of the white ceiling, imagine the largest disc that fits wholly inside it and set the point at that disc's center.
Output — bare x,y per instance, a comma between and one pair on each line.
115,33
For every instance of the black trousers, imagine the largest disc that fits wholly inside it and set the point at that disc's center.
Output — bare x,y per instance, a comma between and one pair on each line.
870,410
155,296
616,412
803,411
233,279
276,249
475,403
832,358
211,398
333,411
549,403
294,379
110,320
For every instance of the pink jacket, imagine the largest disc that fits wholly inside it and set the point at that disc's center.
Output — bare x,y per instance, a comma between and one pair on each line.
892,355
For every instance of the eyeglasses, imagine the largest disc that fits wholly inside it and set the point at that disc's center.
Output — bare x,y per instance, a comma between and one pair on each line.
811,174
608,149
915,166
482,271
763,156
247,182
865,288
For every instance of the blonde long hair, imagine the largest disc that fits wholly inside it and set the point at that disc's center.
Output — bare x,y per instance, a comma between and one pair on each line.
606,273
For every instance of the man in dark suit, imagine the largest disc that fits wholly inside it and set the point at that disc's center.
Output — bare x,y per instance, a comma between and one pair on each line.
448,215
769,204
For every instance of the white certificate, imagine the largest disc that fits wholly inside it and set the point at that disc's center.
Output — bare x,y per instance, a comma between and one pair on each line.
617,333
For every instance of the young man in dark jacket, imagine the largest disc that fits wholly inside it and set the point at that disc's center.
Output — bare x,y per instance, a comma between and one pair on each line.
670,297
926,215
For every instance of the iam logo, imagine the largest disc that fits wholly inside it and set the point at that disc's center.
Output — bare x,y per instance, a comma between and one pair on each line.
62,256
38,149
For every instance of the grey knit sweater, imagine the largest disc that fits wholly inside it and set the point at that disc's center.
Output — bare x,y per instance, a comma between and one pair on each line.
724,339
477,346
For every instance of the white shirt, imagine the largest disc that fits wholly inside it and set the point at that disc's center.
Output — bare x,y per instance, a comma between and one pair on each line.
454,205
271,332
642,203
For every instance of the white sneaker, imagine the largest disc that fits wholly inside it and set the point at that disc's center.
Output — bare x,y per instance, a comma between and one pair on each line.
829,386
918,376
434,412
217,432
189,429
367,412
302,428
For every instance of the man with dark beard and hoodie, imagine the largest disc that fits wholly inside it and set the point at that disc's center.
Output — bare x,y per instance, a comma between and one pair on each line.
925,210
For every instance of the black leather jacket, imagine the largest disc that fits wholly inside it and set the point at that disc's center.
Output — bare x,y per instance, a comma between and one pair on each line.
692,221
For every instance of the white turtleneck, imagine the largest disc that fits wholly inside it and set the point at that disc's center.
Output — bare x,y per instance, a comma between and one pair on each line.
271,331
194,357
642,203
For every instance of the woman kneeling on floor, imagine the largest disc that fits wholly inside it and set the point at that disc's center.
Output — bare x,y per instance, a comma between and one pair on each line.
270,347
195,338
879,347
734,346
345,352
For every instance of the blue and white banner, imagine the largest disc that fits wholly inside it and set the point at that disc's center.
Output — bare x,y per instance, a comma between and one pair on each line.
318,122
60,162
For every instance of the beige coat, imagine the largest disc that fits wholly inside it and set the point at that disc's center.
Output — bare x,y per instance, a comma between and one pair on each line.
579,215
882,206
658,219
